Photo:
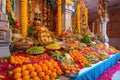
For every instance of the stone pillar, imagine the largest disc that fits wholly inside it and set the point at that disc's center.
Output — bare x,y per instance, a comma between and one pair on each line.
4,6
104,31
67,13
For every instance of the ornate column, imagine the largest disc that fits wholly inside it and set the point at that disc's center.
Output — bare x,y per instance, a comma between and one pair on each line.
104,31
67,13
5,31
103,19
4,6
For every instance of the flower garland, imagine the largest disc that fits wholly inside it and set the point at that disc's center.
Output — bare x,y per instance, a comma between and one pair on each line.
78,18
12,17
101,13
84,17
59,17
46,13
24,17
102,9
9,6
30,11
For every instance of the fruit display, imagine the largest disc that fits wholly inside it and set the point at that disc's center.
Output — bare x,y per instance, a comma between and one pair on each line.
68,65
114,50
91,58
35,50
44,35
53,40
44,70
103,55
78,57
18,60
53,46
64,58
23,43
111,50
54,62
71,70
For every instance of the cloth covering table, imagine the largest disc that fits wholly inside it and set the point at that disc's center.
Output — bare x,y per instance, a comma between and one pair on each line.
93,72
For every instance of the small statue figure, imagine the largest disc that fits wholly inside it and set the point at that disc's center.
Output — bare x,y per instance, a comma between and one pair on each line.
37,18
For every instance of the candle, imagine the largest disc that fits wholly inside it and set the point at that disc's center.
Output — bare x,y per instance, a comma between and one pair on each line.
24,18
78,18
59,17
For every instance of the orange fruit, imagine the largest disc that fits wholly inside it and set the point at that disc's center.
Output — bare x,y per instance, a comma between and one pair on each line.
59,71
20,62
31,69
24,67
33,74
57,67
26,77
46,77
50,67
17,75
53,75
48,72
45,68
54,64
36,78
35,65
54,70
25,72
40,63
49,64
19,78
51,60
41,74
29,65
17,70
39,69
46,61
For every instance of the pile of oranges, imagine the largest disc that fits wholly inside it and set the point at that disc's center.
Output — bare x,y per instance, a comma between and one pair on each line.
77,56
71,68
45,70
18,60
